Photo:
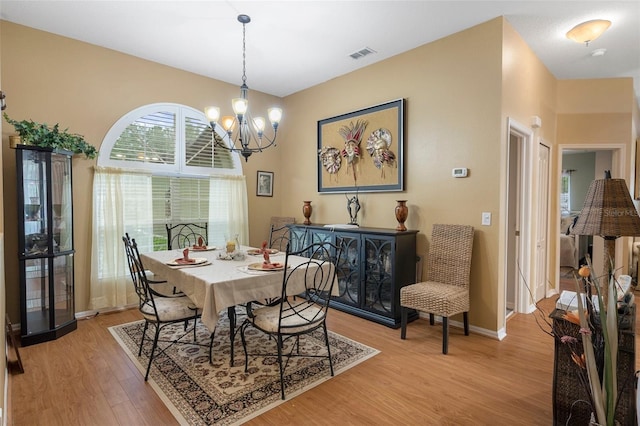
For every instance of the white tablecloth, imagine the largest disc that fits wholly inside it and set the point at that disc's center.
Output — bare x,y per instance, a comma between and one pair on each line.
222,283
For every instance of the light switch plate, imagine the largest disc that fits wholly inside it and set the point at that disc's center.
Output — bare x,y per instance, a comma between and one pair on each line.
486,218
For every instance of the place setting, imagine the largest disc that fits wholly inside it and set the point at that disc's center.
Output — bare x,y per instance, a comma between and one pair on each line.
262,250
266,265
188,261
201,246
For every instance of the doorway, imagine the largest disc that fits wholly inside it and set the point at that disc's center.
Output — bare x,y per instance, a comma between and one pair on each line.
578,167
518,221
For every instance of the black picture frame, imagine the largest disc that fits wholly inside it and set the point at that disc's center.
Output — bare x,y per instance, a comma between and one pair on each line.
264,184
375,169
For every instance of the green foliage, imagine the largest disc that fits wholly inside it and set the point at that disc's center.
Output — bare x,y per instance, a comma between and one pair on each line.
40,134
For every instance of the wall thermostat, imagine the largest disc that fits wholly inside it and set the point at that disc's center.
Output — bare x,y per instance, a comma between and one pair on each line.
459,172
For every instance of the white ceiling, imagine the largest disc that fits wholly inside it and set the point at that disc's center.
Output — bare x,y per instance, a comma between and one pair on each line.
293,45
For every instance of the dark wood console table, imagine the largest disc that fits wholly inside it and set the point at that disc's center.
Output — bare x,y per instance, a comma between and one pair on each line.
376,263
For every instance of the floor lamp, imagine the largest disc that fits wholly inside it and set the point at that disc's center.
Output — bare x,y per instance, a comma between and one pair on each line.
609,212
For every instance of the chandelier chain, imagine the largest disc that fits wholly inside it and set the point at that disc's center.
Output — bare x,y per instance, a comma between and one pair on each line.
244,54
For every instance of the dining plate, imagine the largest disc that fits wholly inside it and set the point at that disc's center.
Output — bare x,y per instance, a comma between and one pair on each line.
207,248
259,251
260,267
180,261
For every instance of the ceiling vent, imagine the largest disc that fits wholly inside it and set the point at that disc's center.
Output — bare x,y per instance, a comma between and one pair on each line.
362,52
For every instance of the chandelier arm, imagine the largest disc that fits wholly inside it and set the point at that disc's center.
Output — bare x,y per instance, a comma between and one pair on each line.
262,147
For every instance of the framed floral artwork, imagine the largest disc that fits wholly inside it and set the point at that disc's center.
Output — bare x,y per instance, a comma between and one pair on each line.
362,151
264,185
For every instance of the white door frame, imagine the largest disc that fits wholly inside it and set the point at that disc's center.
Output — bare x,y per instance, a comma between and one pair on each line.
543,216
523,300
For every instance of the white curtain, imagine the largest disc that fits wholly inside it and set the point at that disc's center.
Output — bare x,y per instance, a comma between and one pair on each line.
122,204
228,207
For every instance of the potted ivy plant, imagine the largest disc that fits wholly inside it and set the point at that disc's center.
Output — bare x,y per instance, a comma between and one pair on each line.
40,134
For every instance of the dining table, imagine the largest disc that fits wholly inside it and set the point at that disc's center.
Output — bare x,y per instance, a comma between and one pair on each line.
216,281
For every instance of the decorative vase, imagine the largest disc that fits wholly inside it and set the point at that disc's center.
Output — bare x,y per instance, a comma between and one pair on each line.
306,211
402,211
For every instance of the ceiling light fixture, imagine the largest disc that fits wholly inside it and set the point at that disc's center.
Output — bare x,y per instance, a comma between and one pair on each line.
242,129
588,31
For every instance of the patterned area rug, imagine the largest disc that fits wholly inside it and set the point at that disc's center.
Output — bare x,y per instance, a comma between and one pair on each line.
199,393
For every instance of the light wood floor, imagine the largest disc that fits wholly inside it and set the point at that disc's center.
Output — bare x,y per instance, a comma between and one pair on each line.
84,378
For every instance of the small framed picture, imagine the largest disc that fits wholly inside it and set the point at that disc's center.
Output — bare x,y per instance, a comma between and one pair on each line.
264,188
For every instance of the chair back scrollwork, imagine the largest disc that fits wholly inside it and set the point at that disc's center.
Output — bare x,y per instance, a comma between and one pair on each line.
186,235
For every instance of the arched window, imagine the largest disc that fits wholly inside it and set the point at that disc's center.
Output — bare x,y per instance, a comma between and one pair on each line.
166,139
158,165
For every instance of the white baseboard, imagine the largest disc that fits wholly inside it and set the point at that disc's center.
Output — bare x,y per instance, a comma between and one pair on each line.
93,313
497,335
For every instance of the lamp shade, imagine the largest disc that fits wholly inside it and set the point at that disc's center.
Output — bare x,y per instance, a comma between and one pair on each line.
608,211
588,31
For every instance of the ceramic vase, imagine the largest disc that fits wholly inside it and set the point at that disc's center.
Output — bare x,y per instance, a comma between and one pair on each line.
306,211
402,211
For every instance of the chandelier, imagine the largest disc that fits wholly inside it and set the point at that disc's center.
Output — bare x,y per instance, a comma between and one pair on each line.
246,133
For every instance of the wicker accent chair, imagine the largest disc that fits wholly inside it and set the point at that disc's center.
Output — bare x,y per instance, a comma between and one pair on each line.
292,317
159,311
446,289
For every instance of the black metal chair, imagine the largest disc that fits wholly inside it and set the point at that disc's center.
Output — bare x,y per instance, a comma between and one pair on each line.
159,311
159,287
186,235
293,317
277,228
279,237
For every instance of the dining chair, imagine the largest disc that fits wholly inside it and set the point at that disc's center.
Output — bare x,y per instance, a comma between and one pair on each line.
159,287
279,232
445,292
278,237
159,311
186,234
293,317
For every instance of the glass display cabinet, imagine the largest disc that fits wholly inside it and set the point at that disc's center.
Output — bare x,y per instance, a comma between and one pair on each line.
376,263
45,243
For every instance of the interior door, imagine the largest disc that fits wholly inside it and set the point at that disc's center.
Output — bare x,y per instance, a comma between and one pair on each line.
543,223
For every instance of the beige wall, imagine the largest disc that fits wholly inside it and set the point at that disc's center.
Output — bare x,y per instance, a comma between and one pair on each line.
596,113
452,89
86,88
459,92
528,90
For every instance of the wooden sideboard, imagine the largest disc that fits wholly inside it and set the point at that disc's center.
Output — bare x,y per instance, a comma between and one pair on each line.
375,264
